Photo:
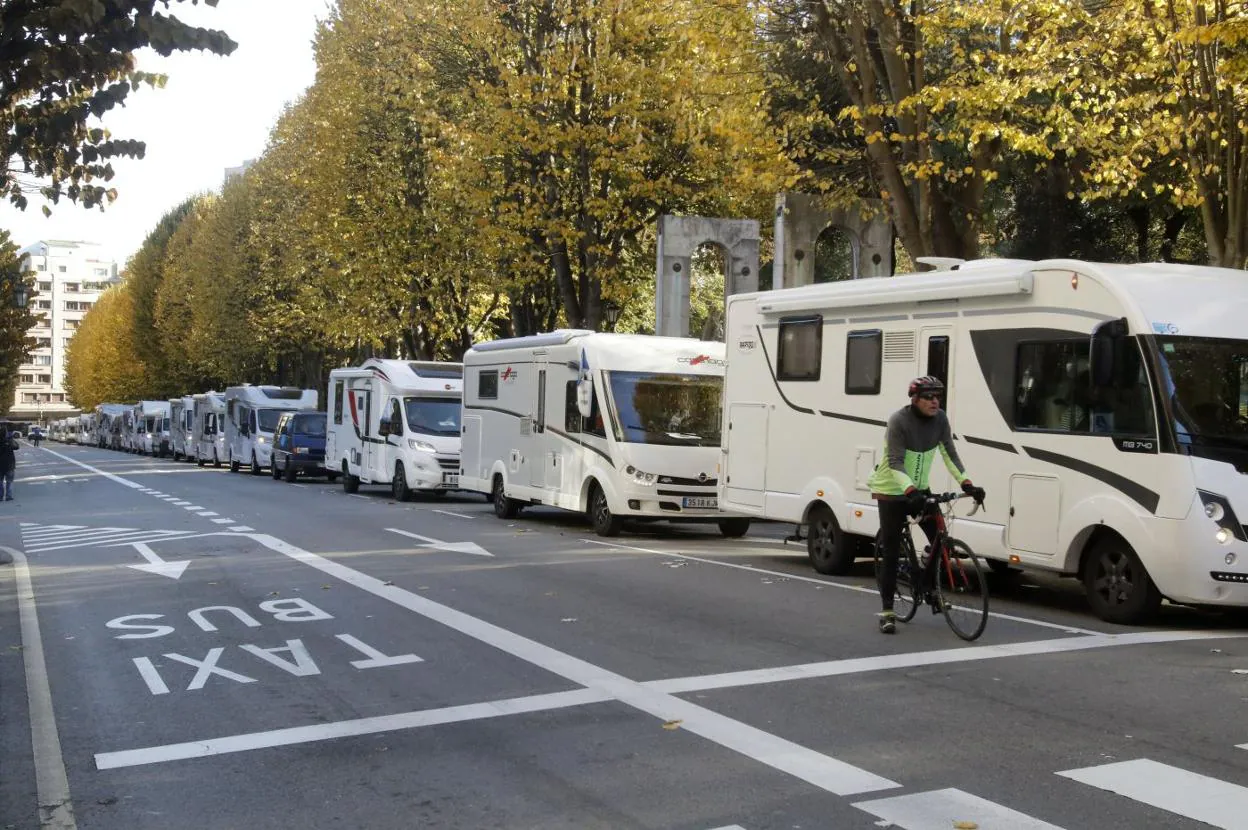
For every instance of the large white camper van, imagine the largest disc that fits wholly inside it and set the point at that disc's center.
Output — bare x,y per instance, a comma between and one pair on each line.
150,434
395,422
1103,407
208,425
182,426
251,415
617,426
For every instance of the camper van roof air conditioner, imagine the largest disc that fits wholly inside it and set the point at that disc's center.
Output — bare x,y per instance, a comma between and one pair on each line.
284,393
892,291
439,371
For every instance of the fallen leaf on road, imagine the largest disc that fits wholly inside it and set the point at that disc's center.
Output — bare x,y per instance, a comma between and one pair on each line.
273,593
965,825
1215,651
672,724
324,587
388,583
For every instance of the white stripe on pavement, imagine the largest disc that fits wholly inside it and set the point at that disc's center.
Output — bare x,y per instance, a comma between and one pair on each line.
223,521
942,809
1175,790
206,513
133,485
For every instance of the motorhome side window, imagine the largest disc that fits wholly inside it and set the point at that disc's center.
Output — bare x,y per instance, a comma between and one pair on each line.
571,413
863,362
1054,391
487,384
800,353
396,417
338,402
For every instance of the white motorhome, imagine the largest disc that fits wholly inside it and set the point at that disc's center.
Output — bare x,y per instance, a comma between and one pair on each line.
208,427
182,427
1103,407
109,419
618,426
251,414
86,429
395,422
151,428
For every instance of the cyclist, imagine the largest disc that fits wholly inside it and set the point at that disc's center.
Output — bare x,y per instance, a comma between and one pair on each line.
899,484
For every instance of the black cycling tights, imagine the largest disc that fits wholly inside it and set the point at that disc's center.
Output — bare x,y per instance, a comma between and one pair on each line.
893,516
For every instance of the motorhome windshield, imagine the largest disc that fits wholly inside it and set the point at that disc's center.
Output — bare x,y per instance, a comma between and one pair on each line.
663,408
433,416
313,426
268,419
1207,382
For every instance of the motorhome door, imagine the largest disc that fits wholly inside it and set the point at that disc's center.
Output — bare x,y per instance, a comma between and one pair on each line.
936,360
541,451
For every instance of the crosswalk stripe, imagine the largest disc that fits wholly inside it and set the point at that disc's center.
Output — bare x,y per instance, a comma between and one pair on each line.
70,534
1175,790
942,809
128,537
39,529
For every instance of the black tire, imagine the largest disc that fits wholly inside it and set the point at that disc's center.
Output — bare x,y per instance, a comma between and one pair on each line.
905,598
216,462
273,468
605,522
398,484
234,465
962,587
331,476
256,469
504,508
734,528
1000,567
290,473
199,462
831,551
1118,586
350,484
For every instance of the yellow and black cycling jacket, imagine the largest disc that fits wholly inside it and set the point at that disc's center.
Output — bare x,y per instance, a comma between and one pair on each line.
911,442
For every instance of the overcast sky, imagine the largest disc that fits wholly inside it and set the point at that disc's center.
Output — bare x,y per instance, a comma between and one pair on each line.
214,113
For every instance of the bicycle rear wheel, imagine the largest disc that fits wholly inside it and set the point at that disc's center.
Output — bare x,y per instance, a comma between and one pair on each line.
963,591
905,600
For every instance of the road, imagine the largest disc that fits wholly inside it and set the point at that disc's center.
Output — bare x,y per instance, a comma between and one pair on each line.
185,647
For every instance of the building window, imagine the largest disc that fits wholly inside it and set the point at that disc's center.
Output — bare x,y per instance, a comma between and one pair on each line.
26,378
41,267
74,305
863,354
101,272
45,286
66,341
72,324
43,342
71,288
61,268
43,305
800,354
487,384
42,360
30,397
45,379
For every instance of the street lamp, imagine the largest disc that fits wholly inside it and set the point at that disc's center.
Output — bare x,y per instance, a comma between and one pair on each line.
611,313
21,294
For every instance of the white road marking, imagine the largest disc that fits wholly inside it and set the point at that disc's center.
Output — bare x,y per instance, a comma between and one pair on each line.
207,513
49,530
730,827
223,521
1175,790
456,515
437,544
181,503
193,507
346,729
243,529
66,535
1070,629
942,809
108,541
355,496
133,485
56,808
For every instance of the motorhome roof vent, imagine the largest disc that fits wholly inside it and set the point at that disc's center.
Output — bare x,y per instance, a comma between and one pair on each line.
283,393
899,346
436,370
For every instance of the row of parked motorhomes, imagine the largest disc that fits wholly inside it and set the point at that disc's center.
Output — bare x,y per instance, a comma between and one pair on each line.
1103,407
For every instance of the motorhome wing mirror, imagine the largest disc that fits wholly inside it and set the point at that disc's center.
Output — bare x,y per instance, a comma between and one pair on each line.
383,428
1103,351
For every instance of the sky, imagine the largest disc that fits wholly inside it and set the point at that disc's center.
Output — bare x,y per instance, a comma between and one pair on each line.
214,112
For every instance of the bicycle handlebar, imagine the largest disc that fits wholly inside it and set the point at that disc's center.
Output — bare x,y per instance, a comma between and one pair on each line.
936,500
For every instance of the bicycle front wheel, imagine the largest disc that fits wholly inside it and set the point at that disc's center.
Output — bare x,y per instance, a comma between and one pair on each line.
905,600
963,591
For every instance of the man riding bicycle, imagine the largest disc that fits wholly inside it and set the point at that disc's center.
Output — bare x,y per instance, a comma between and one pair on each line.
899,484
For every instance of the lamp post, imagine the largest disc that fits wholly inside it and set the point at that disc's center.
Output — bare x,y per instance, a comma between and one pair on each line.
611,313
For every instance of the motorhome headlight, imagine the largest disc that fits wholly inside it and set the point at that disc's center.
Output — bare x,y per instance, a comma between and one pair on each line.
643,479
1219,511
259,439
420,446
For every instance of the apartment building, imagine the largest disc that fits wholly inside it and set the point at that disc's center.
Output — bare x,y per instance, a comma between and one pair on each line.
69,278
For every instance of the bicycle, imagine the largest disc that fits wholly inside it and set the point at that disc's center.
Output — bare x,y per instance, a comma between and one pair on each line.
960,591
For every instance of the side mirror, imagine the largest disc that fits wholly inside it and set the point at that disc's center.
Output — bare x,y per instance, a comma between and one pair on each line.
1103,351
383,428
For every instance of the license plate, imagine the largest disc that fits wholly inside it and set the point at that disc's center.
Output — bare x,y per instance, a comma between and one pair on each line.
704,502
450,479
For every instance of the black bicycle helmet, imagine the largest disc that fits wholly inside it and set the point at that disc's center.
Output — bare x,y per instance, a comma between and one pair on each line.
925,384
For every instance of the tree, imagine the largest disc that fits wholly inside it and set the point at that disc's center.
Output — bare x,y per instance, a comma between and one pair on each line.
63,65
102,364
14,322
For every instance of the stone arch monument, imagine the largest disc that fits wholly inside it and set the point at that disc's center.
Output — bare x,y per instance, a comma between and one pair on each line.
679,238
800,219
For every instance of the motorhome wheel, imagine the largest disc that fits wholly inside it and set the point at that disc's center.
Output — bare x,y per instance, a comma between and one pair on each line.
398,485
734,528
1119,588
350,484
826,544
255,465
605,522
289,473
504,508
273,470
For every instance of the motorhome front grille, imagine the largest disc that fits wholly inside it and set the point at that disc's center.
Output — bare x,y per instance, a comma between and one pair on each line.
449,462
705,481
899,346
662,492
1225,576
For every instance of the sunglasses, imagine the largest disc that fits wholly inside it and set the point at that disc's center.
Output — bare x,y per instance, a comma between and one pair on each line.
929,396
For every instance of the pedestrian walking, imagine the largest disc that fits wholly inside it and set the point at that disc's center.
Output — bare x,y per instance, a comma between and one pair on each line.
8,464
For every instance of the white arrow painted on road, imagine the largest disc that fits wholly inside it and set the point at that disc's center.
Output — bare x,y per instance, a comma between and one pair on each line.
438,544
156,565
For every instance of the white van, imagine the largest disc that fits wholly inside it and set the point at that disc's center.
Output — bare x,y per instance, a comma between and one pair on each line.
181,426
151,428
251,414
109,418
86,429
396,422
208,426
1103,407
619,426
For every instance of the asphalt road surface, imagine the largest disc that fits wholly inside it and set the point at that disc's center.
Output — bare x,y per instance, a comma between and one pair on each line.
189,648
